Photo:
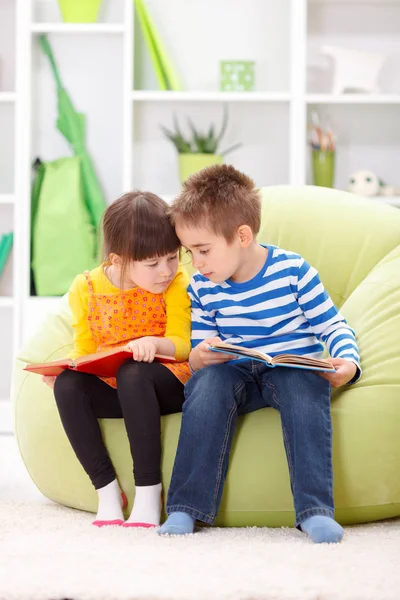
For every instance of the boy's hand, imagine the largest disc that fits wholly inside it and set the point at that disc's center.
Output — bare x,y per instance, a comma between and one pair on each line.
345,371
143,349
202,356
49,380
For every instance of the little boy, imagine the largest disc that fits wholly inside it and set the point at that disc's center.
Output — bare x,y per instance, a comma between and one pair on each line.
263,297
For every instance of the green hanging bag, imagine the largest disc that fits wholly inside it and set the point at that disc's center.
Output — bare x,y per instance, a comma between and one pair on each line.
63,237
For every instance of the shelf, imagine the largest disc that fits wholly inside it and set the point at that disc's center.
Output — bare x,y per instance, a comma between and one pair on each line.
7,96
7,199
49,300
6,301
353,99
392,200
380,2
77,28
162,96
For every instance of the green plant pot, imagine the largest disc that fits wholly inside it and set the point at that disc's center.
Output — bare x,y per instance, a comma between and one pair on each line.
79,11
323,166
191,163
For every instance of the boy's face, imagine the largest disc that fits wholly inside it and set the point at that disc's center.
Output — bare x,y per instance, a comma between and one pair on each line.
212,255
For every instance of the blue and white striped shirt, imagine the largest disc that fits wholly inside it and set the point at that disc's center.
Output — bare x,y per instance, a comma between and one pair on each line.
283,309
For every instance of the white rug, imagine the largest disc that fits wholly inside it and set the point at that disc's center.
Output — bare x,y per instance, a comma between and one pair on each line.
51,552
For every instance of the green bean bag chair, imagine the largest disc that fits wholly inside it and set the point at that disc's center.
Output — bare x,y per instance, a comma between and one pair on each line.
354,243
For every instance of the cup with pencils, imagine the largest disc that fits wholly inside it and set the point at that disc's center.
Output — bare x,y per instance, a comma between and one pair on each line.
323,149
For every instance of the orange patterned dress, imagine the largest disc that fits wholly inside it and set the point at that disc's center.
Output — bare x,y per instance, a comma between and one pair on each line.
117,318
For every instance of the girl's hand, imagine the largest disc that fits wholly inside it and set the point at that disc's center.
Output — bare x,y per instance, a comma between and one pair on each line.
143,349
345,371
202,356
49,380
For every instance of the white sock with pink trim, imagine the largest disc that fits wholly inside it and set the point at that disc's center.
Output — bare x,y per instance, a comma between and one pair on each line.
146,511
109,510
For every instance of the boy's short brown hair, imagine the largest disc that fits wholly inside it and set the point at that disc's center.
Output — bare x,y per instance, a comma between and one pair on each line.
220,197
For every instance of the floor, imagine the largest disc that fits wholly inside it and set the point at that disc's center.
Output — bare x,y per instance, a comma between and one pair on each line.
52,552
15,483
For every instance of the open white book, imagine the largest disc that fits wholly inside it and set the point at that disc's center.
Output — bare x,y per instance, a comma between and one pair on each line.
281,360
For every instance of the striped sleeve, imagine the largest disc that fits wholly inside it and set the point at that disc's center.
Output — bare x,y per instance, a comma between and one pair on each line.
328,325
203,321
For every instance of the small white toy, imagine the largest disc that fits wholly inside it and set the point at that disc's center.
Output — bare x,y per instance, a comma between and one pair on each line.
366,183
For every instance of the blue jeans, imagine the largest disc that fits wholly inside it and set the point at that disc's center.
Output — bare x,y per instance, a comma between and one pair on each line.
214,397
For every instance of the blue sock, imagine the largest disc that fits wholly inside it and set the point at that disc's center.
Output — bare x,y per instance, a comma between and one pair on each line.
322,529
178,523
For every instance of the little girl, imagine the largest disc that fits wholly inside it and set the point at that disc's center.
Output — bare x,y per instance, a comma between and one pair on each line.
138,296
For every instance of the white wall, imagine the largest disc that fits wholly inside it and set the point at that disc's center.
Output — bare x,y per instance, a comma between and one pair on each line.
200,34
91,70
263,132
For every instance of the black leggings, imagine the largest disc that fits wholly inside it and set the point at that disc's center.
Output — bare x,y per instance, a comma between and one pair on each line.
145,391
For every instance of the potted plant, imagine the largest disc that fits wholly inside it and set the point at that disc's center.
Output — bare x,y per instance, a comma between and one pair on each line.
200,150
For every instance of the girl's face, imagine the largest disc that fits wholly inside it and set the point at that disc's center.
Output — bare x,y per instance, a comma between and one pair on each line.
153,274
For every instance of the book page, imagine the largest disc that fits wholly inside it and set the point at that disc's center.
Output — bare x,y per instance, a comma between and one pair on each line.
295,359
54,367
240,351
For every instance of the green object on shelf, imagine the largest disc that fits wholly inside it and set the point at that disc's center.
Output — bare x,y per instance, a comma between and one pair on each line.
323,167
72,125
166,75
191,163
63,238
237,75
79,11
6,242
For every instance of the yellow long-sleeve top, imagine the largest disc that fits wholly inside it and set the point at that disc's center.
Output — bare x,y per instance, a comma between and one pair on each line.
174,304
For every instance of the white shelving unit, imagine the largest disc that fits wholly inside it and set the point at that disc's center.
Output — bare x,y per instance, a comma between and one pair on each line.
366,125
7,96
394,200
160,96
9,109
68,28
353,99
7,199
107,70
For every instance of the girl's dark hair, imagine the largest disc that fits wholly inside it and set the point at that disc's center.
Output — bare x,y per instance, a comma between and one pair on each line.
136,227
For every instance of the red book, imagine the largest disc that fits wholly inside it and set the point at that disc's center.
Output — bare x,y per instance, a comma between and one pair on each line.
103,364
